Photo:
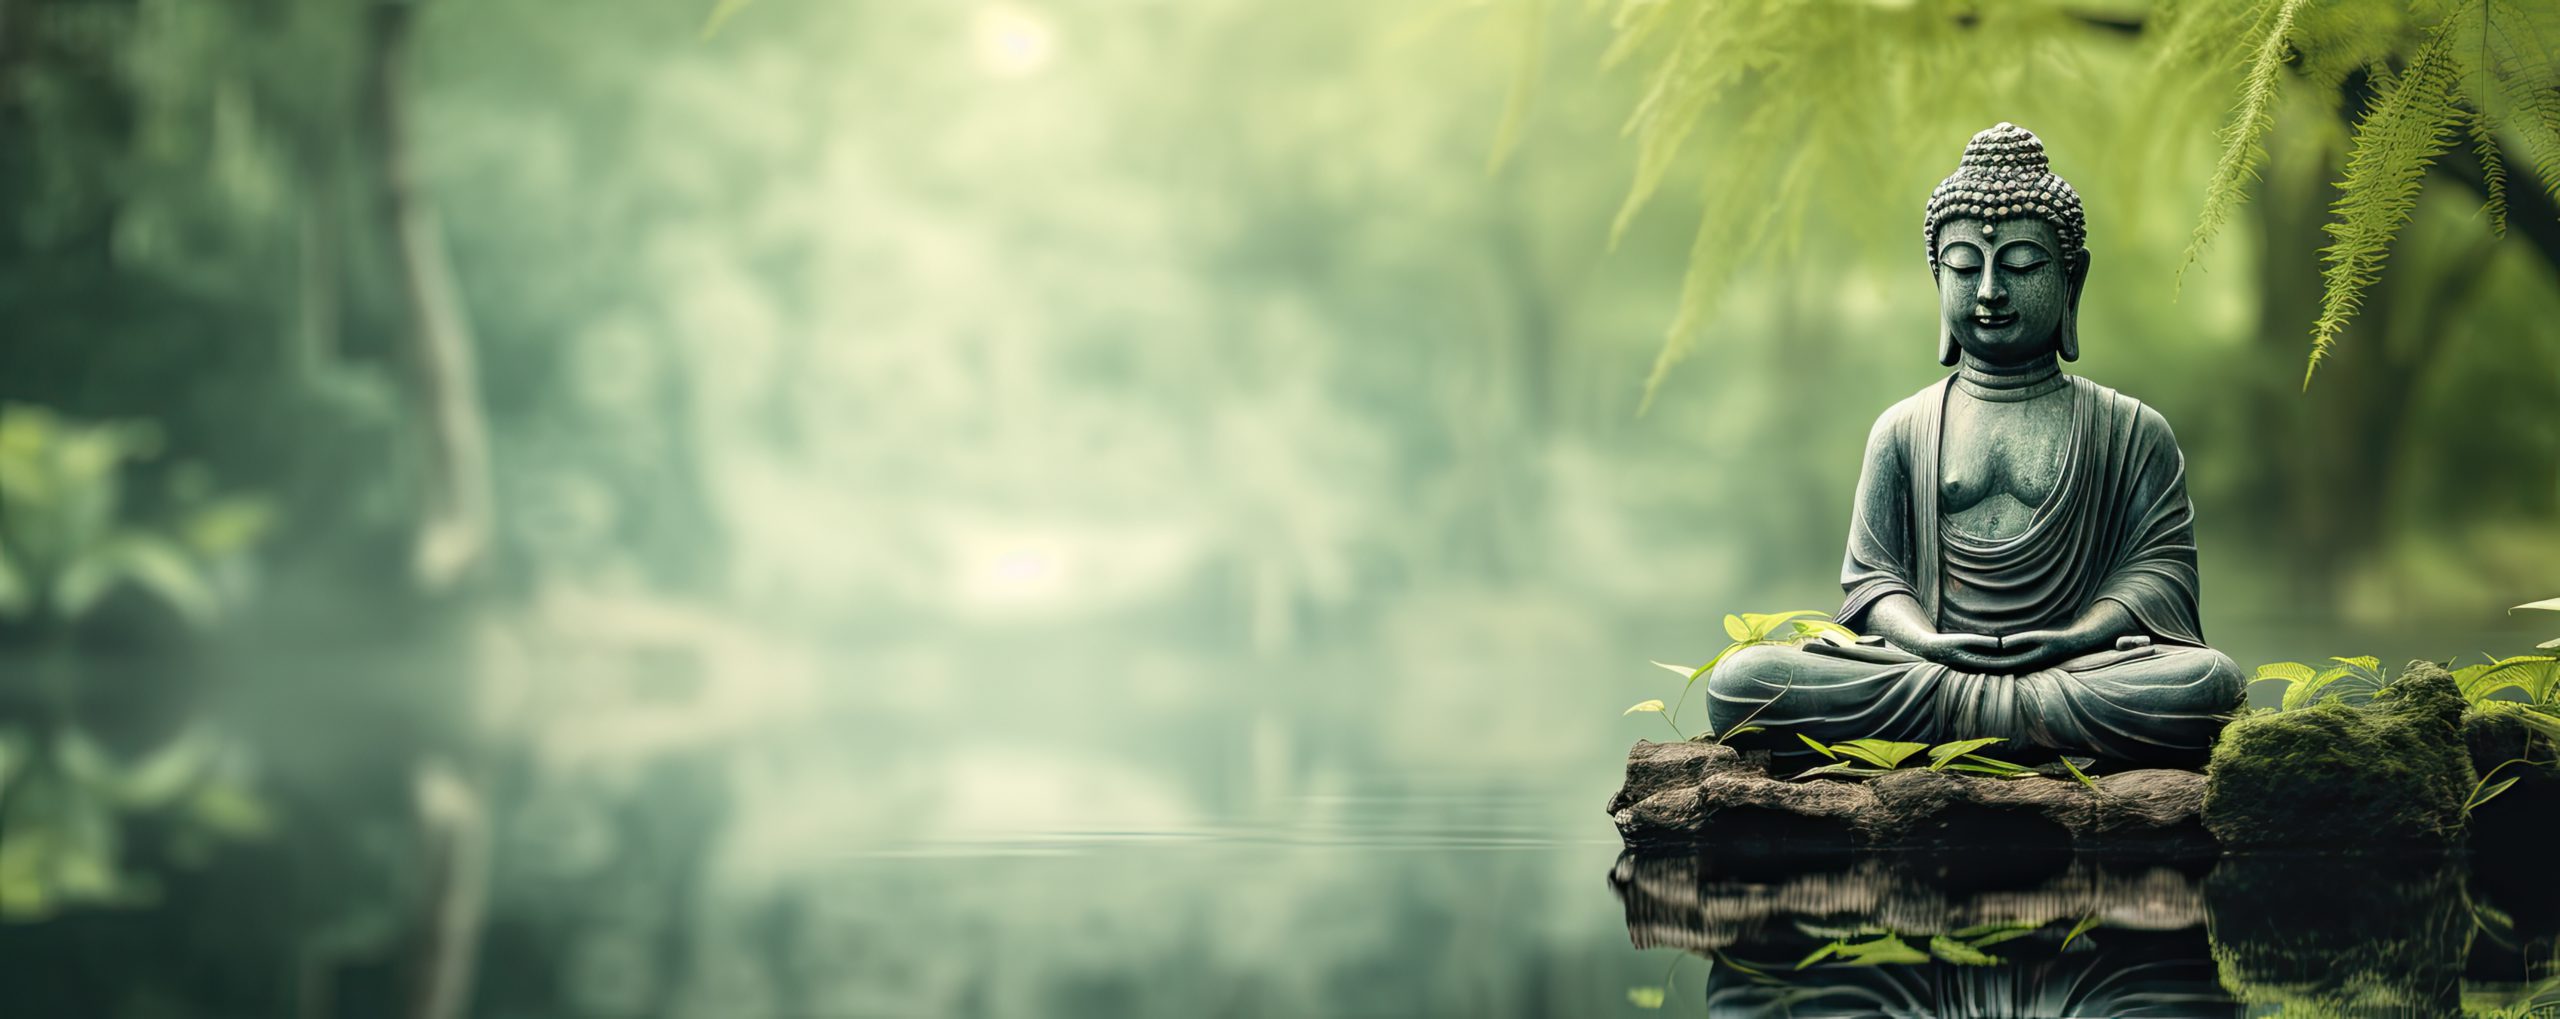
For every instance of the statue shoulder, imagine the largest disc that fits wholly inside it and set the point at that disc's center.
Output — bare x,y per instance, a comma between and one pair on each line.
1894,427
2144,421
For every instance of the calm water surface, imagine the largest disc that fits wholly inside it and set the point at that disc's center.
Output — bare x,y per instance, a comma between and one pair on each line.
1409,828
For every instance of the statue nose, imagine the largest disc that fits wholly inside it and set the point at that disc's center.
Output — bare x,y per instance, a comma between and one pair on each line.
1989,293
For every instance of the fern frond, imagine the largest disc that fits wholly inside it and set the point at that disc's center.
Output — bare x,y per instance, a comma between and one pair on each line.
2242,139
2493,171
1532,29
2408,127
2524,83
1714,253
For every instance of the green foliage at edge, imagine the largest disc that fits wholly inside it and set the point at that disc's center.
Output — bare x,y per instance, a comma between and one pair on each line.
2477,70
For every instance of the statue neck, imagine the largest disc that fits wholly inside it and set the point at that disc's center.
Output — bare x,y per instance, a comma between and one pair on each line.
2009,383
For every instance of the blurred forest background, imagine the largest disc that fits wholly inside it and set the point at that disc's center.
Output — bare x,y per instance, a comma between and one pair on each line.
500,501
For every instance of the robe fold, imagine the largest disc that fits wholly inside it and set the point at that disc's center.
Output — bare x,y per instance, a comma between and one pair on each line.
2117,527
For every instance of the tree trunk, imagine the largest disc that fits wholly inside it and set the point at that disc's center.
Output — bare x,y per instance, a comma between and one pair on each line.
454,526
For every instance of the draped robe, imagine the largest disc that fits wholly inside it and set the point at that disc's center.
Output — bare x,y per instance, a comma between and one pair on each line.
2117,527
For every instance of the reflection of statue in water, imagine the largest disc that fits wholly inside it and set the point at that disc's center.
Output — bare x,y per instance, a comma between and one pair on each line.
2022,540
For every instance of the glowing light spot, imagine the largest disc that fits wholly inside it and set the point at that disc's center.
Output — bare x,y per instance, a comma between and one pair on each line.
1012,42
1016,571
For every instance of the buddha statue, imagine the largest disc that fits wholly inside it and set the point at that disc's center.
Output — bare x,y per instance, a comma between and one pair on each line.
2021,552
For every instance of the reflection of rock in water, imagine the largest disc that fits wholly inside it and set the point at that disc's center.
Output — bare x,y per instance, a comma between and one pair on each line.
2343,935
1929,935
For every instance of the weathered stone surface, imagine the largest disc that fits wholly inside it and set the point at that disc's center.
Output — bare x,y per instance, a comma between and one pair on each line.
2338,776
1701,792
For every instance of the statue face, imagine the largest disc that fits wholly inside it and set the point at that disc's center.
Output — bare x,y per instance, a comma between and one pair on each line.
2003,292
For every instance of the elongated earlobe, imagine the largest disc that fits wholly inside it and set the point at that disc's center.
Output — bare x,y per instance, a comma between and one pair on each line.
1947,341
2068,337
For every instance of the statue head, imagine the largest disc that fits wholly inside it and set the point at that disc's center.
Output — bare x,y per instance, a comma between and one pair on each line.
2007,246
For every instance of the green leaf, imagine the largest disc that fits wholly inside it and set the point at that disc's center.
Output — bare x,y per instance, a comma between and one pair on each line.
1815,629
1943,753
1651,705
2080,928
229,810
1994,762
227,525
151,563
1693,678
1735,628
2307,692
2533,675
2549,644
158,780
2290,672
1850,768
1647,998
1729,649
1960,953
2002,770
1743,730
2480,796
1681,670
1880,752
1817,747
2083,776
2545,605
1759,625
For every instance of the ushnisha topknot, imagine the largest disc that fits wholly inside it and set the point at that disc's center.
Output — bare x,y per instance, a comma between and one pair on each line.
2004,174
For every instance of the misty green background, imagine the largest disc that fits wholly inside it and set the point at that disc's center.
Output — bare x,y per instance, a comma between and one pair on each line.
1094,507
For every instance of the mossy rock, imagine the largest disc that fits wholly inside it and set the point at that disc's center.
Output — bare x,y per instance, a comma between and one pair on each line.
2338,777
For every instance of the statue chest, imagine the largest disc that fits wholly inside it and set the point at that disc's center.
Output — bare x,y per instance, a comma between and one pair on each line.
1999,462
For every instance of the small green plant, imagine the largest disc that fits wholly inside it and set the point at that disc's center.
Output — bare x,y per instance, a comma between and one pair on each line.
1748,629
1864,758
2482,791
2353,680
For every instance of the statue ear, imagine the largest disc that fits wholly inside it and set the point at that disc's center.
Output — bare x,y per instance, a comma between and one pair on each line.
1946,342
2068,337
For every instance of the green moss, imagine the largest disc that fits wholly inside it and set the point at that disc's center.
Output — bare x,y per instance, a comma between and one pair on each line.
2340,935
2338,777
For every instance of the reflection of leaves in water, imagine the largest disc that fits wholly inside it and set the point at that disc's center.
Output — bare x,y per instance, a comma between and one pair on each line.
1960,953
1646,997
1883,950
1989,934
2079,929
1877,946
